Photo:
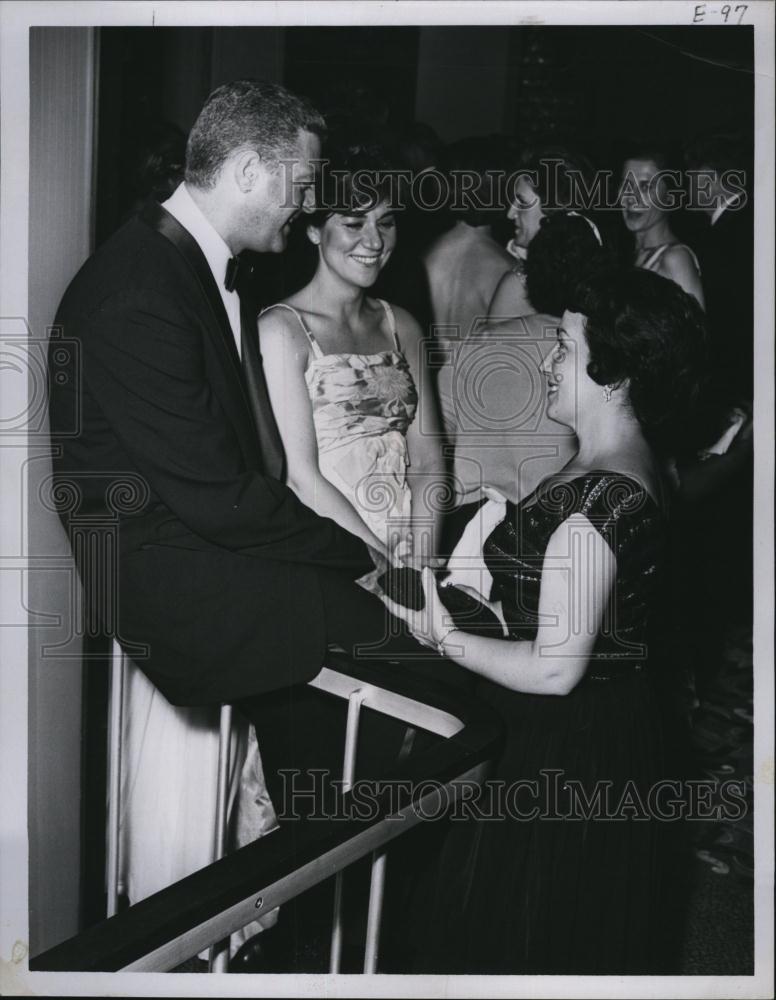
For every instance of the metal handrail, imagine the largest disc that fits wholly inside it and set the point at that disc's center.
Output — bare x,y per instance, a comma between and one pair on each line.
219,953
117,672
165,929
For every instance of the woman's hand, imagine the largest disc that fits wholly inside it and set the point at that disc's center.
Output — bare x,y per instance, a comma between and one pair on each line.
402,551
430,624
423,561
405,553
493,606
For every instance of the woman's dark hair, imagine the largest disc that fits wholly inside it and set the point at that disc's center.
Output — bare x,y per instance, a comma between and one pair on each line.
355,175
666,160
564,250
646,149
647,329
562,178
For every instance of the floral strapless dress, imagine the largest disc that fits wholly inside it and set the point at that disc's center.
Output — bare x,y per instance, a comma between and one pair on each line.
363,405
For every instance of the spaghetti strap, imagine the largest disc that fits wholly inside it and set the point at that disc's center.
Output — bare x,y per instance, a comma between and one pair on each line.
692,254
654,257
307,332
391,322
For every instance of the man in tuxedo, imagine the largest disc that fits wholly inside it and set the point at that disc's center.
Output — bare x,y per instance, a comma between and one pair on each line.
231,586
725,243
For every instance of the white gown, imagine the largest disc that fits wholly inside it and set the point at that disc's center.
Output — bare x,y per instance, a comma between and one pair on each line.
169,778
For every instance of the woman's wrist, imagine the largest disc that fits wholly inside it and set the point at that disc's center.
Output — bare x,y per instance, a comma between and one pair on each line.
439,641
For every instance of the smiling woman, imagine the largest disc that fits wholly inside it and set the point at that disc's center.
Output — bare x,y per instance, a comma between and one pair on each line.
574,573
647,197
344,371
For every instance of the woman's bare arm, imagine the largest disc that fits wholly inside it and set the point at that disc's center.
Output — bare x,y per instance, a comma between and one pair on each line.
678,265
578,573
427,472
285,351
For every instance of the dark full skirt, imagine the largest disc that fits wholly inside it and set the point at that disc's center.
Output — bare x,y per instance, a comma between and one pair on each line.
550,894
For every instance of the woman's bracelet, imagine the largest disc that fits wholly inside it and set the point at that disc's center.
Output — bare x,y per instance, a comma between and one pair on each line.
440,643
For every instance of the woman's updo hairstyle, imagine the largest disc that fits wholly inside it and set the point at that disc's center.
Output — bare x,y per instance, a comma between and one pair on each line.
565,249
644,328
356,174
559,176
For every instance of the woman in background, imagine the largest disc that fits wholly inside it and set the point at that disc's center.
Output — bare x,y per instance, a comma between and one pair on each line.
549,180
505,439
645,199
464,264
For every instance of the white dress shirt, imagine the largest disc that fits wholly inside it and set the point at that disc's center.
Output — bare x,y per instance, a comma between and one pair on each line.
182,206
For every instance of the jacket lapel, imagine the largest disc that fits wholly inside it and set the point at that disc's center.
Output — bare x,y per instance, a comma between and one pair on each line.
234,397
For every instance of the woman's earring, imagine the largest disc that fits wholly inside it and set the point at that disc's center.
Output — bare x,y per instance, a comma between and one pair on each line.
608,390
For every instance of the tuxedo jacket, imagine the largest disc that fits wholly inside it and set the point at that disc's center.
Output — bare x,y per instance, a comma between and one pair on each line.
209,568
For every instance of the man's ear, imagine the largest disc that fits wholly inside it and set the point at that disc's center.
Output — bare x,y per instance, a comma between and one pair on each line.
247,167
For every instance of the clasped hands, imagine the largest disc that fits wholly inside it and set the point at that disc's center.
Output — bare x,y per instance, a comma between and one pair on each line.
432,623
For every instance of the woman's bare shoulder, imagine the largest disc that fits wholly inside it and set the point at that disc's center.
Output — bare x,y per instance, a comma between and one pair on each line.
407,327
281,327
679,255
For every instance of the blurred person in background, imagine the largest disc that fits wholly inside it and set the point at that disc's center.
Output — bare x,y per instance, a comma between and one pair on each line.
647,203
504,439
549,179
465,264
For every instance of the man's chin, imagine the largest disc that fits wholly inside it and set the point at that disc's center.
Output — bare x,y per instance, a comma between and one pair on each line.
281,239
276,245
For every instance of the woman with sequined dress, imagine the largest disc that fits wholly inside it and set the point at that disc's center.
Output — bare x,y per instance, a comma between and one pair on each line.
556,867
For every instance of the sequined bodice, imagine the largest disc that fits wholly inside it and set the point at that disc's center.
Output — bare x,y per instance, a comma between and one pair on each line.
632,525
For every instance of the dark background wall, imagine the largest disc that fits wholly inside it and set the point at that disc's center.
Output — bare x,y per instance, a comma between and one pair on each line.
586,85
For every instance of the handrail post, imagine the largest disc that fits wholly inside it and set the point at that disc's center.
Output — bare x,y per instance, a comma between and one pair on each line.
219,953
374,917
348,775
115,736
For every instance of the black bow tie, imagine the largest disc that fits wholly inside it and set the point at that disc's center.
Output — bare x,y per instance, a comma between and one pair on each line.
237,271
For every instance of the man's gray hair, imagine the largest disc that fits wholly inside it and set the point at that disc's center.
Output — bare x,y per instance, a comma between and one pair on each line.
246,114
